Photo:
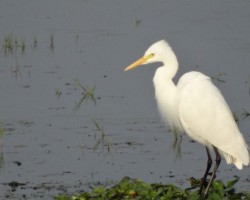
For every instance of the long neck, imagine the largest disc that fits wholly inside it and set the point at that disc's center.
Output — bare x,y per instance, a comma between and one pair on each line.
170,65
166,94
165,89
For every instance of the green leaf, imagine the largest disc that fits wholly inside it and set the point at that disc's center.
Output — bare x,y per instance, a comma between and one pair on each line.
214,196
99,190
231,183
136,189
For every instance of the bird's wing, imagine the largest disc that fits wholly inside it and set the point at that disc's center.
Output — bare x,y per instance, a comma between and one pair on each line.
206,117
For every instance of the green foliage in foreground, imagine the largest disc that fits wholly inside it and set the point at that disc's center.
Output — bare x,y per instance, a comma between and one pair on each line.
136,189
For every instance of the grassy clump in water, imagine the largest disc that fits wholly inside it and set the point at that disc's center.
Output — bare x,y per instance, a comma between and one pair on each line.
87,94
10,44
103,140
129,188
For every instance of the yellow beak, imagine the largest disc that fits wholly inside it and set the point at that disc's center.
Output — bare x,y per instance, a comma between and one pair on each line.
139,62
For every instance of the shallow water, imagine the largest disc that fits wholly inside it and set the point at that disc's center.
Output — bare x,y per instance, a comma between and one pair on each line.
50,147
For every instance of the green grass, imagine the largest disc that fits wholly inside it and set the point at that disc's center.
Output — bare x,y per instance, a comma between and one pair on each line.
11,44
104,140
8,44
58,93
136,189
87,93
176,144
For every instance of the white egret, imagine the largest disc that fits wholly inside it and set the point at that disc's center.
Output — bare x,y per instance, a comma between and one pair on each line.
197,107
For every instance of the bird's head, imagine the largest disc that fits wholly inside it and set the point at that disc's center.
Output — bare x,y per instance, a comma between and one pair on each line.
157,52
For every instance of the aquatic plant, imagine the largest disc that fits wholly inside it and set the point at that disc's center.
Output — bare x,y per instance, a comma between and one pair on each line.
103,140
87,93
58,93
176,144
136,189
8,44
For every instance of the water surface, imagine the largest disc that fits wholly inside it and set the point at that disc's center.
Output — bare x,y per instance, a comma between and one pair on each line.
51,147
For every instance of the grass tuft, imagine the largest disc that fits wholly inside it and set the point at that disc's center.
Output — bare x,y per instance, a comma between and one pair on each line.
87,93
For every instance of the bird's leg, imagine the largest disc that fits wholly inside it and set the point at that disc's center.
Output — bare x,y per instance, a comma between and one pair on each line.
217,160
209,164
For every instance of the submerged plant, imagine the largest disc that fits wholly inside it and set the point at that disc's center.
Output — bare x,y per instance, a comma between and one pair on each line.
58,93
87,93
176,144
103,139
99,128
8,44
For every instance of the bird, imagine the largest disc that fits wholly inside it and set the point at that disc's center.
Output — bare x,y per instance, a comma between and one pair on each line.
195,106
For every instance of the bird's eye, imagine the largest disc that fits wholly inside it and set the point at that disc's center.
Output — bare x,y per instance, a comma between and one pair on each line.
151,55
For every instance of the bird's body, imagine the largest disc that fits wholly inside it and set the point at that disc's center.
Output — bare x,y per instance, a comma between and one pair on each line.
203,114
195,106
216,126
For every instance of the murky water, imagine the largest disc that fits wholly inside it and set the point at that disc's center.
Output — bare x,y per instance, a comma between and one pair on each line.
49,146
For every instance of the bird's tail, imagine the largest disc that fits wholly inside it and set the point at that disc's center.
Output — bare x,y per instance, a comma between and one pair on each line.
239,156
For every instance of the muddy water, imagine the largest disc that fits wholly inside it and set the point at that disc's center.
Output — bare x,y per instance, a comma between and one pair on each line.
50,145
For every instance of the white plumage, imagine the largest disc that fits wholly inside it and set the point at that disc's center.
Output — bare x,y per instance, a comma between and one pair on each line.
206,117
196,106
